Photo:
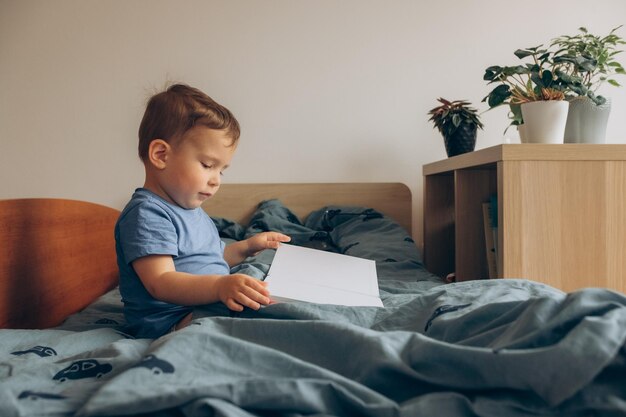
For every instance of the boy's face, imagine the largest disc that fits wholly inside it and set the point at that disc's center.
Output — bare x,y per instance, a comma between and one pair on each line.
194,165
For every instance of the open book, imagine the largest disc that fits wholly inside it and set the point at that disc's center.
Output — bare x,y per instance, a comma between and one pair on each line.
316,276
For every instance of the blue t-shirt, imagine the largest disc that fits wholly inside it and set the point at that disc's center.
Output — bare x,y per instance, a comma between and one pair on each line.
149,225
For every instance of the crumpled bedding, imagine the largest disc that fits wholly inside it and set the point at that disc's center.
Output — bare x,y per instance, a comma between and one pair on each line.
480,348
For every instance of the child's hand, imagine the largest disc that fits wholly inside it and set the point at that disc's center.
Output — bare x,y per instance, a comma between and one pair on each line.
238,291
236,252
265,240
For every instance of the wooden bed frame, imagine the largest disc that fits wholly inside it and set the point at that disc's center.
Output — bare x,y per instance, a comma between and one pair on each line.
59,255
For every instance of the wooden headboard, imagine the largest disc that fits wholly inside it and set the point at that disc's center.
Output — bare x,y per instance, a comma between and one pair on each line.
59,255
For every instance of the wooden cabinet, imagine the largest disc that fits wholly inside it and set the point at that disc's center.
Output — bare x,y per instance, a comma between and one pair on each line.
561,214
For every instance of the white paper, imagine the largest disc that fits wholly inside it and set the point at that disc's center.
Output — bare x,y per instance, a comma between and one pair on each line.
316,276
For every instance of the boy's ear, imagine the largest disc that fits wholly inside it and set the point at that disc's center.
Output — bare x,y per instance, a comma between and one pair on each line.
158,153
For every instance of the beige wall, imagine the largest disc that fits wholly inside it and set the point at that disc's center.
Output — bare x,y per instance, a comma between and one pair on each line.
329,90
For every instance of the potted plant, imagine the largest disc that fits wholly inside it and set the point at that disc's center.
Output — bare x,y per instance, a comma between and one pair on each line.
458,122
590,62
535,93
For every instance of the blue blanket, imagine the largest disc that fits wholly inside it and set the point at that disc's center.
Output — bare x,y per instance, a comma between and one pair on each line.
480,348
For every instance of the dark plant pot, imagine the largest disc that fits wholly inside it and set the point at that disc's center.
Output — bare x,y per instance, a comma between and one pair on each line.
463,140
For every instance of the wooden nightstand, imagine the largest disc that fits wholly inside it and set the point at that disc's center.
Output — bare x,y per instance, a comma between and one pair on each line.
561,214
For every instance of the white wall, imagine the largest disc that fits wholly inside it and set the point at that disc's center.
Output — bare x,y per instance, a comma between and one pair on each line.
328,90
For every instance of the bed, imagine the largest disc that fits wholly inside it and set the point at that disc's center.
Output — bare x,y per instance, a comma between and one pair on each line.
477,348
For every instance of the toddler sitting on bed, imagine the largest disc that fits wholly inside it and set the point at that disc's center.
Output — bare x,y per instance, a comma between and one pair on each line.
169,252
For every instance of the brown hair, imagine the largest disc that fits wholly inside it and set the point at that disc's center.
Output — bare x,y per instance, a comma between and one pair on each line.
171,113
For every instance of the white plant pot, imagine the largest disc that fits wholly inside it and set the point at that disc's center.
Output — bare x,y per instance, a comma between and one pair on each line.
586,122
544,121
523,136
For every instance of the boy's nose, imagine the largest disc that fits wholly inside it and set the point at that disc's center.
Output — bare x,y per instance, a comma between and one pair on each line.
215,179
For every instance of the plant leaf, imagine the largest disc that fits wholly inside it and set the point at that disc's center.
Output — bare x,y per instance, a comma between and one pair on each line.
498,95
456,120
489,75
546,78
522,53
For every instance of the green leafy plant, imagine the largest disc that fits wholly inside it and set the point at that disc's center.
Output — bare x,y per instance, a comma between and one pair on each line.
539,79
588,61
451,116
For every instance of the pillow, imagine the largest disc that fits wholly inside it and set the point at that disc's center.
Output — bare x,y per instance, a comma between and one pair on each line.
272,215
229,229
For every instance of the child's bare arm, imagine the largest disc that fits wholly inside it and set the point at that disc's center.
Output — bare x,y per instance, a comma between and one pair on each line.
236,252
163,282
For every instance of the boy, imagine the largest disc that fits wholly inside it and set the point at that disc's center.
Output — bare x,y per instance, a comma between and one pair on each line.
169,252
